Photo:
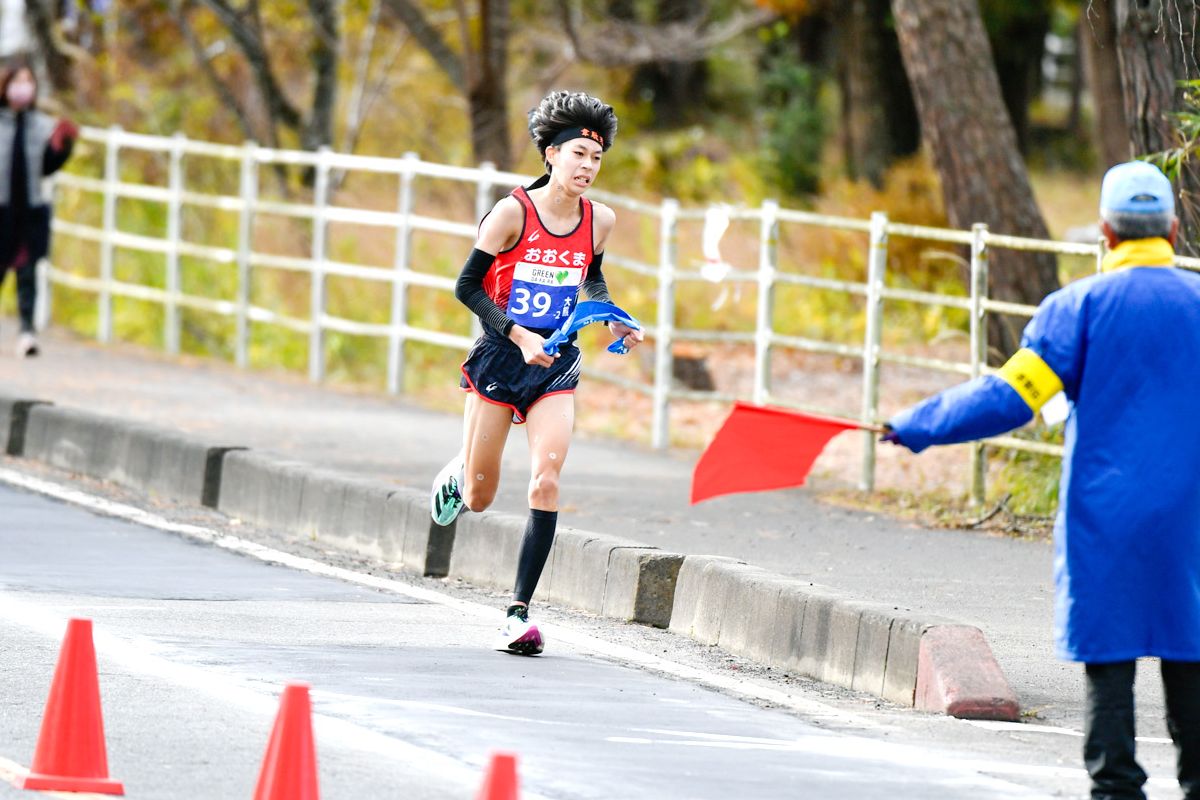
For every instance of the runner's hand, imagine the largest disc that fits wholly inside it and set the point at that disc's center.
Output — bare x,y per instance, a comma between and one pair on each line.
632,336
531,346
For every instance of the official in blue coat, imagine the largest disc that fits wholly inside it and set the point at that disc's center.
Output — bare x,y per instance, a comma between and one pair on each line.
1124,348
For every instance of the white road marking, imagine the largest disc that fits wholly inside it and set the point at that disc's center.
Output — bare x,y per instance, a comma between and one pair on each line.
997,725
441,708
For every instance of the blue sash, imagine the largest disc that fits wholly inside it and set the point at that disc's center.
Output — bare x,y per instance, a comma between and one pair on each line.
585,314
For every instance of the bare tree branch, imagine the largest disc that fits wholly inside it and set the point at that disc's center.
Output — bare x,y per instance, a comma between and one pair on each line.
362,73
620,43
428,37
228,98
375,93
250,41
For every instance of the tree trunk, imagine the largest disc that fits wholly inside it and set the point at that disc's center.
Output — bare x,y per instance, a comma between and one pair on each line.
326,52
1157,46
1101,60
487,94
51,49
974,147
879,121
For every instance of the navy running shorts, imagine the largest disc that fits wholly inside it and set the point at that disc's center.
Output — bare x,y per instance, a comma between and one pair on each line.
496,371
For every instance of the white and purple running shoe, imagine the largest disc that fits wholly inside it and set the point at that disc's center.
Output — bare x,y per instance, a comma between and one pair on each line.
519,635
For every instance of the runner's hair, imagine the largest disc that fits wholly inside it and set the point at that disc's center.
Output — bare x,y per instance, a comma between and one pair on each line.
561,110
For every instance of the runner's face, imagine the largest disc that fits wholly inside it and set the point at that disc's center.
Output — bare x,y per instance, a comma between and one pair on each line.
575,163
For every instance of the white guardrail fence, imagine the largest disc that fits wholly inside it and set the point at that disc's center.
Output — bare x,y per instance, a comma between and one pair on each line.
241,255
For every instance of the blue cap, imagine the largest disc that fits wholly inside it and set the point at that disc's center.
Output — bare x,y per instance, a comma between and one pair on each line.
1136,187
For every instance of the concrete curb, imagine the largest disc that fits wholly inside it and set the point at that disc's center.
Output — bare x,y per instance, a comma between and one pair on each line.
641,585
152,460
911,659
915,660
590,571
14,420
370,518
485,551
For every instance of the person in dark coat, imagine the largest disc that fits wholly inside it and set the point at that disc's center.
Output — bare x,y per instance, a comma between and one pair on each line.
33,145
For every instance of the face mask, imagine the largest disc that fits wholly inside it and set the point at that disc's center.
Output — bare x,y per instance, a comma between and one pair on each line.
20,94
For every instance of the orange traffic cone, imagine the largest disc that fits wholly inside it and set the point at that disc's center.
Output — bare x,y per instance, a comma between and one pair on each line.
70,755
500,782
289,769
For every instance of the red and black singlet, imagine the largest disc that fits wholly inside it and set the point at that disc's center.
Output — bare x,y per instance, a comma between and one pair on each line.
537,280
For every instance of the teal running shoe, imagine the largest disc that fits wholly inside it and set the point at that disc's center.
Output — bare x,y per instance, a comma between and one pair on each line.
445,499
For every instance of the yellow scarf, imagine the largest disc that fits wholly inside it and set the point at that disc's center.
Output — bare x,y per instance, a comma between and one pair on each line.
1155,252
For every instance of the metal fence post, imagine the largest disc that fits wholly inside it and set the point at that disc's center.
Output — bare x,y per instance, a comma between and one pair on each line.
1101,252
768,243
664,327
248,192
979,347
872,338
104,321
171,323
316,340
400,267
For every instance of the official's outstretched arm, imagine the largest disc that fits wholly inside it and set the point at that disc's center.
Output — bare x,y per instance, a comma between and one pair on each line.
992,404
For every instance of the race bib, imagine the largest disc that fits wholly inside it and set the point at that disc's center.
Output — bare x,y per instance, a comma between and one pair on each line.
542,296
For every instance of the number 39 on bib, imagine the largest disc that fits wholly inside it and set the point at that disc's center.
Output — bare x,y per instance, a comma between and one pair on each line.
542,296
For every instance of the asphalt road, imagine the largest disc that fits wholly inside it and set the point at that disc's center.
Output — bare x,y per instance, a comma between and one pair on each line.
195,642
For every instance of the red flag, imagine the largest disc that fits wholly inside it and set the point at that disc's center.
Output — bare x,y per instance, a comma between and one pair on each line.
759,448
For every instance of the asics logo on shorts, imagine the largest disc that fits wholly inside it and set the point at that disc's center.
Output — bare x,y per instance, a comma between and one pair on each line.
491,387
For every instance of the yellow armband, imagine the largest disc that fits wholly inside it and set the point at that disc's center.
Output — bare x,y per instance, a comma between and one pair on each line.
1031,377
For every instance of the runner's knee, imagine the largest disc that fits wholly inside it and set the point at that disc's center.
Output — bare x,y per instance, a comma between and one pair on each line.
543,490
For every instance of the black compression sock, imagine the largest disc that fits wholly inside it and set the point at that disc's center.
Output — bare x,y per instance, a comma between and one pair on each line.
535,549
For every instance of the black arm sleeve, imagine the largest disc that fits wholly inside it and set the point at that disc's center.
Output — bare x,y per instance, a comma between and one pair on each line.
594,284
469,291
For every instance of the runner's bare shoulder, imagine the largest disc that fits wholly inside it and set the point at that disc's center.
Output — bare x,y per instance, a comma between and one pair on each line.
502,226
